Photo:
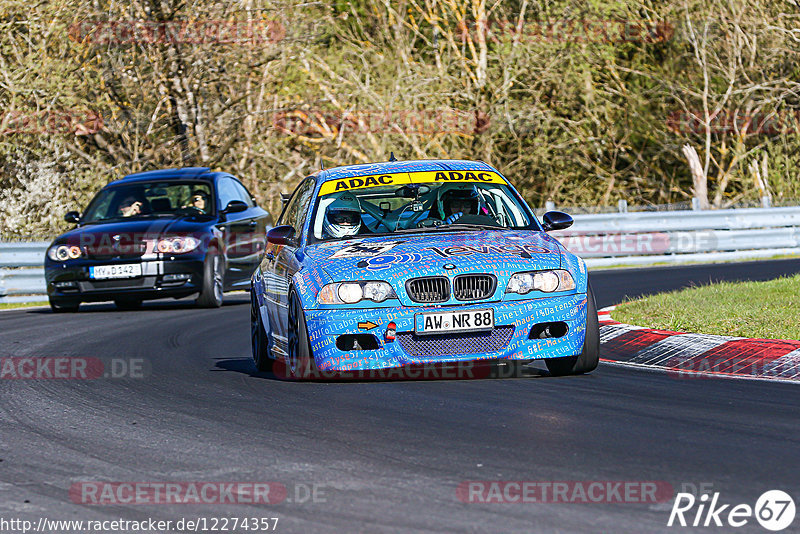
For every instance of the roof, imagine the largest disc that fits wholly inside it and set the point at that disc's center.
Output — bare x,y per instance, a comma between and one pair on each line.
184,173
391,167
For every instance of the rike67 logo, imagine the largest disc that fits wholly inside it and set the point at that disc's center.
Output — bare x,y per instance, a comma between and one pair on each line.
774,510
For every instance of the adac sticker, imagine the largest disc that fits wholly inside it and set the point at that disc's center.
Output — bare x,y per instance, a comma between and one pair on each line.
458,176
364,182
365,250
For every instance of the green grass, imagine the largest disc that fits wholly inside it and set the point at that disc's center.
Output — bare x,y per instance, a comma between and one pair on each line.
768,310
11,305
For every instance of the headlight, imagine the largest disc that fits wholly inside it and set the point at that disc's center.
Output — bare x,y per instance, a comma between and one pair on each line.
352,292
545,281
177,245
63,252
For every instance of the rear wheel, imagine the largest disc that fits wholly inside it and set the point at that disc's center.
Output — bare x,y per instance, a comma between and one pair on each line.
64,306
128,303
213,276
300,362
259,337
589,357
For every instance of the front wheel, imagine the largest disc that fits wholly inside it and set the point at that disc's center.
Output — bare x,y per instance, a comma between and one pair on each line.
300,362
258,337
213,276
589,357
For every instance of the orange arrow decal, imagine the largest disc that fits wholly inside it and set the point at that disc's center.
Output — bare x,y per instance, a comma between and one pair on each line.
369,325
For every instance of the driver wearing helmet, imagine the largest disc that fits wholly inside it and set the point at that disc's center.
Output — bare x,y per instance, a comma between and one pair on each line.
342,217
459,202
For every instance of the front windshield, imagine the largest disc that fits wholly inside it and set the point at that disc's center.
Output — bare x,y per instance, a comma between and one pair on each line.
150,199
416,202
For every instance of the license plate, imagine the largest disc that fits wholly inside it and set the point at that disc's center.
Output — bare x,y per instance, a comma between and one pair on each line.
455,321
102,272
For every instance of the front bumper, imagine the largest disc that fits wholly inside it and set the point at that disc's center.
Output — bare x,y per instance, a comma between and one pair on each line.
70,281
510,340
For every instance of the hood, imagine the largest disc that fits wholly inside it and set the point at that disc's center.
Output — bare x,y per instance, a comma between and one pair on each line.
398,258
133,231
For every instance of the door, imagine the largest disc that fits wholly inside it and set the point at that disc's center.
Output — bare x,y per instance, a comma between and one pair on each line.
243,233
252,242
283,263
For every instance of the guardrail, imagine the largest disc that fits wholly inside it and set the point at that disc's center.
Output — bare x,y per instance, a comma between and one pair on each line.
22,271
646,238
603,240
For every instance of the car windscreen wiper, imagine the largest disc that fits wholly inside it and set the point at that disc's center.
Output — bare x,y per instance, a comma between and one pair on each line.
424,229
399,231
465,226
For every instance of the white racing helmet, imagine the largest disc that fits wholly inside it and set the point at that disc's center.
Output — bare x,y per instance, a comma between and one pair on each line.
342,217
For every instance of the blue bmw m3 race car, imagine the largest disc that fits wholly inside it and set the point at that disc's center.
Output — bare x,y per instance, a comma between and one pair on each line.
408,263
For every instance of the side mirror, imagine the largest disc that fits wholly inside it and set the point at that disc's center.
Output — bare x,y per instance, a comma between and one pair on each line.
285,199
556,220
72,217
281,235
235,206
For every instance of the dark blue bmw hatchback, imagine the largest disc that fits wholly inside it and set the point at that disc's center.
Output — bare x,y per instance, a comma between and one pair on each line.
166,233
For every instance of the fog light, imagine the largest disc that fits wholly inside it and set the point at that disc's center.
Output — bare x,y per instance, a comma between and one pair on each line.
176,277
65,285
391,331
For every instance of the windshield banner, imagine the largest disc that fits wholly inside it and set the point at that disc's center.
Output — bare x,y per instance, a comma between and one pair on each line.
377,180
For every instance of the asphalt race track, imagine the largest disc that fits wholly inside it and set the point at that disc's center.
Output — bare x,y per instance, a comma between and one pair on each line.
384,456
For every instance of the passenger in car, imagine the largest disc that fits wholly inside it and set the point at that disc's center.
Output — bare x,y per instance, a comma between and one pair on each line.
130,206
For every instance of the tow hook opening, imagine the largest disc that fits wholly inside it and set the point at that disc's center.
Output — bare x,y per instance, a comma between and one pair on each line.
348,342
549,330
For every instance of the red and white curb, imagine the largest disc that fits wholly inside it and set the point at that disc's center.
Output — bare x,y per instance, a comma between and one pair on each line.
695,355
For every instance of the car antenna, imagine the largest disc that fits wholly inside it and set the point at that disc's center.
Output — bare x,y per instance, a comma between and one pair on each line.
391,157
321,164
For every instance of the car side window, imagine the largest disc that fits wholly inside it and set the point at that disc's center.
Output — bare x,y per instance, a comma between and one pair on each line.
304,203
226,191
295,211
244,194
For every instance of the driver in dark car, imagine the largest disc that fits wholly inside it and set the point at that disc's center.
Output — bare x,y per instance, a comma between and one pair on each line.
198,200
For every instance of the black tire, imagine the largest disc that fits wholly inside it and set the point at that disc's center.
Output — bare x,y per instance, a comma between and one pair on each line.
259,338
213,280
300,364
64,306
589,357
128,303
